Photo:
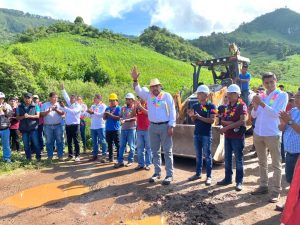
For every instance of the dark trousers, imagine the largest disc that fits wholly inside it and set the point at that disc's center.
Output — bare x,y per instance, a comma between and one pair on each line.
113,137
82,133
73,137
290,163
41,135
14,139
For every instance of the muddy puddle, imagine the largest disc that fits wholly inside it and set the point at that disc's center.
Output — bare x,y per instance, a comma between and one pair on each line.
152,220
45,194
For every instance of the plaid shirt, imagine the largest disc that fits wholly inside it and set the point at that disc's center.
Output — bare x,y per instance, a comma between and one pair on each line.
291,139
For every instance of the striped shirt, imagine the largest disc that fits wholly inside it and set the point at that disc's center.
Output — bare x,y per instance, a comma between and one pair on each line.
291,139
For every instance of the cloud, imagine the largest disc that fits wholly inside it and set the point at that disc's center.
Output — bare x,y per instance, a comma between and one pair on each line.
189,18
89,10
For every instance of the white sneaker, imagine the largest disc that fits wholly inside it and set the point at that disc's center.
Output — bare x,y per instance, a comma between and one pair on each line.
77,159
208,181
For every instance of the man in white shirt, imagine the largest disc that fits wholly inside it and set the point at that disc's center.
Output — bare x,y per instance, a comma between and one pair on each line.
162,117
266,109
73,112
96,112
52,113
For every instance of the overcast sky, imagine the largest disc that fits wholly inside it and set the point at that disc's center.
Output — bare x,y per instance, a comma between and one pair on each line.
187,18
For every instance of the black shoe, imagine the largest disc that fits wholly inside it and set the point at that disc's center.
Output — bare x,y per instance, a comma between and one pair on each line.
167,180
154,178
139,167
94,158
118,165
224,182
194,177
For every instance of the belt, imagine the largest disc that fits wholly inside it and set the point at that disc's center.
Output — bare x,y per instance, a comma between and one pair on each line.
52,124
159,123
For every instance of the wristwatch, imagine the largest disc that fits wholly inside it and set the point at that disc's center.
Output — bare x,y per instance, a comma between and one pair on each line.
291,122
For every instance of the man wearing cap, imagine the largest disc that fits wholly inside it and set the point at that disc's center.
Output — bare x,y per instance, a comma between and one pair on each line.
96,112
203,114
266,109
5,114
128,131
162,116
52,113
14,125
73,113
233,122
36,100
244,80
29,113
112,128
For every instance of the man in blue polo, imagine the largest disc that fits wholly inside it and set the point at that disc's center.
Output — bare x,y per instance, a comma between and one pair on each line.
244,80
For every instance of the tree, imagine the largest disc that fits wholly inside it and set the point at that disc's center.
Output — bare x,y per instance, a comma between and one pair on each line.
79,20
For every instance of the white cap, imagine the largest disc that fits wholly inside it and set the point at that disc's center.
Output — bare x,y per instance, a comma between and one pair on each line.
2,95
130,95
203,88
35,96
233,88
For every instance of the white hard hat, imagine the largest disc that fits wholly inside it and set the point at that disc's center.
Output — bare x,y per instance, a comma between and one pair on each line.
145,89
130,95
233,88
2,95
203,88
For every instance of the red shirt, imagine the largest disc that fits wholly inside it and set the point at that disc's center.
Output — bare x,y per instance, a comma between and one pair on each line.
142,119
233,113
289,107
14,123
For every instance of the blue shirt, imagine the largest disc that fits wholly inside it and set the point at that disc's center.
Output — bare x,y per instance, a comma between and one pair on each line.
111,124
202,128
291,139
245,85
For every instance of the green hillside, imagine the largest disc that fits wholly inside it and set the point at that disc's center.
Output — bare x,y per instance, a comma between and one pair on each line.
13,22
38,66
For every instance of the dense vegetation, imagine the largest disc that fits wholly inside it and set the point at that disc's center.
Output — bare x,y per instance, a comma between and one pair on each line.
171,45
15,21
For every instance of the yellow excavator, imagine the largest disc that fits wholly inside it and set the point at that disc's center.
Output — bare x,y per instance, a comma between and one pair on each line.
224,71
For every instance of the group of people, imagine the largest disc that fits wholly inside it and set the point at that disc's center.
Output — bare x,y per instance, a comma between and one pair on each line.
148,123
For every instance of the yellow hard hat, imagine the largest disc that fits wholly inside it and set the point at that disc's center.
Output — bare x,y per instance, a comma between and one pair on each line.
113,96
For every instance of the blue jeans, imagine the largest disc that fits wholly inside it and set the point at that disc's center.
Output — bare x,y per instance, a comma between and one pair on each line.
98,137
143,148
235,146
203,146
127,136
54,134
245,96
40,135
32,136
290,163
5,135
82,133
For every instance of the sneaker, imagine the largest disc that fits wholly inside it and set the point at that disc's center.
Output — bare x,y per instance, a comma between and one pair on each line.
224,182
70,158
194,177
154,178
61,159
147,168
167,180
274,197
260,191
279,207
239,187
77,159
139,167
103,160
118,165
129,164
208,181
7,161
94,158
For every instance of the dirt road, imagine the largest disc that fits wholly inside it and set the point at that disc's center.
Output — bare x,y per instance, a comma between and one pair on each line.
95,193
